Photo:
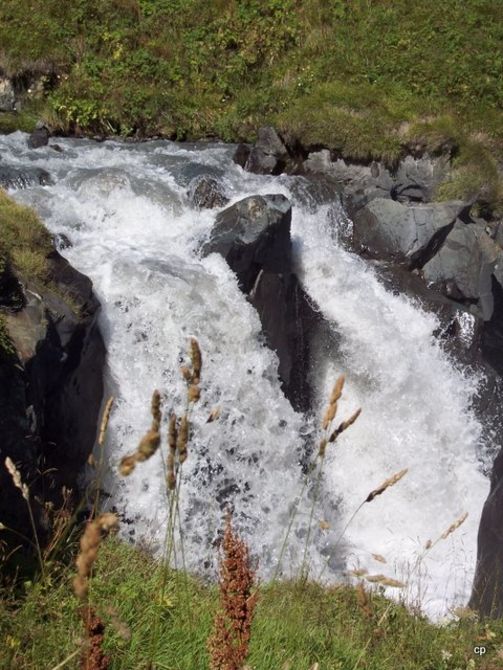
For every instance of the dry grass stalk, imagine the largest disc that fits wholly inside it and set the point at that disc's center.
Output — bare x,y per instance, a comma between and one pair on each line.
454,526
16,478
196,358
391,481
214,415
379,558
104,421
93,657
89,545
363,600
359,572
155,410
330,414
228,645
182,439
385,581
172,439
149,443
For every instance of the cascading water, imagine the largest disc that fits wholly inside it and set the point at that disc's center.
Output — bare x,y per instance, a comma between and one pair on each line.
124,209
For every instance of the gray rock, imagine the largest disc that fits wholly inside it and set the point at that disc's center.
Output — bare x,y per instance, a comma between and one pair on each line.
415,180
241,154
39,137
463,266
387,229
7,95
269,154
254,237
14,177
206,192
487,592
50,387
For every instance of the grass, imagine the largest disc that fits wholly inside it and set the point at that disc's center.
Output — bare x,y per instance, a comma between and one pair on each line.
369,79
295,622
24,242
158,617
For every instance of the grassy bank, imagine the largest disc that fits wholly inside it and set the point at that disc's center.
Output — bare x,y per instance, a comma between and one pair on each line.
344,74
296,624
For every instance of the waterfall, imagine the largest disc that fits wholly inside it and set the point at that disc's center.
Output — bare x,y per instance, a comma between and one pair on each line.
124,209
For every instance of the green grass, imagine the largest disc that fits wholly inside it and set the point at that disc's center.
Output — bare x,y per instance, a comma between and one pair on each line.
368,78
295,623
24,240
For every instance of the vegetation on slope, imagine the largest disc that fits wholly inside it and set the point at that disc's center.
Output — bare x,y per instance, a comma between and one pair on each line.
339,73
296,623
24,240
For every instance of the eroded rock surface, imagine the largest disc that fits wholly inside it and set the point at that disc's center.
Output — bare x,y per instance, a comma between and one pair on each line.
51,366
254,237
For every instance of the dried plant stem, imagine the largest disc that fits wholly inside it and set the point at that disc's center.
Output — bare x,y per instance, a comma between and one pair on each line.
390,481
293,515
25,492
101,446
304,570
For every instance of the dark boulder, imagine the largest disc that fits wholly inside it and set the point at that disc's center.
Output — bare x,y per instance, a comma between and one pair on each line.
206,192
254,237
386,229
241,154
23,177
487,592
269,154
39,137
463,266
51,365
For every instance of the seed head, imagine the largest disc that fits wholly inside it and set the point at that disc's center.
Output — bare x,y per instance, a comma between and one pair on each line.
391,481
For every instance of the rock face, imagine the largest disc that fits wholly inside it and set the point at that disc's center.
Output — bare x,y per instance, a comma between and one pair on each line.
51,365
487,593
11,177
254,237
386,229
39,137
206,192
414,180
7,95
464,264
269,154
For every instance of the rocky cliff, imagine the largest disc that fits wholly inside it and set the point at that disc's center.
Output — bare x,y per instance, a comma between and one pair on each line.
51,364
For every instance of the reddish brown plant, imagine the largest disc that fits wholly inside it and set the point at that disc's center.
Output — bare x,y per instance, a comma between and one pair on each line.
228,645
93,657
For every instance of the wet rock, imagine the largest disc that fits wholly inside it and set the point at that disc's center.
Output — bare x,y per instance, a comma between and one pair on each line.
206,192
7,95
414,180
13,177
463,265
62,241
39,137
487,592
387,229
51,369
241,154
269,154
253,236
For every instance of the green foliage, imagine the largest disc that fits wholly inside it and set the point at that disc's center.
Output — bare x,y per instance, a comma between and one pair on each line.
295,623
24,240
347,75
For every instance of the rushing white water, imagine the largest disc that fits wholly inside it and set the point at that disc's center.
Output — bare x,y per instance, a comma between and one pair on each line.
125,210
